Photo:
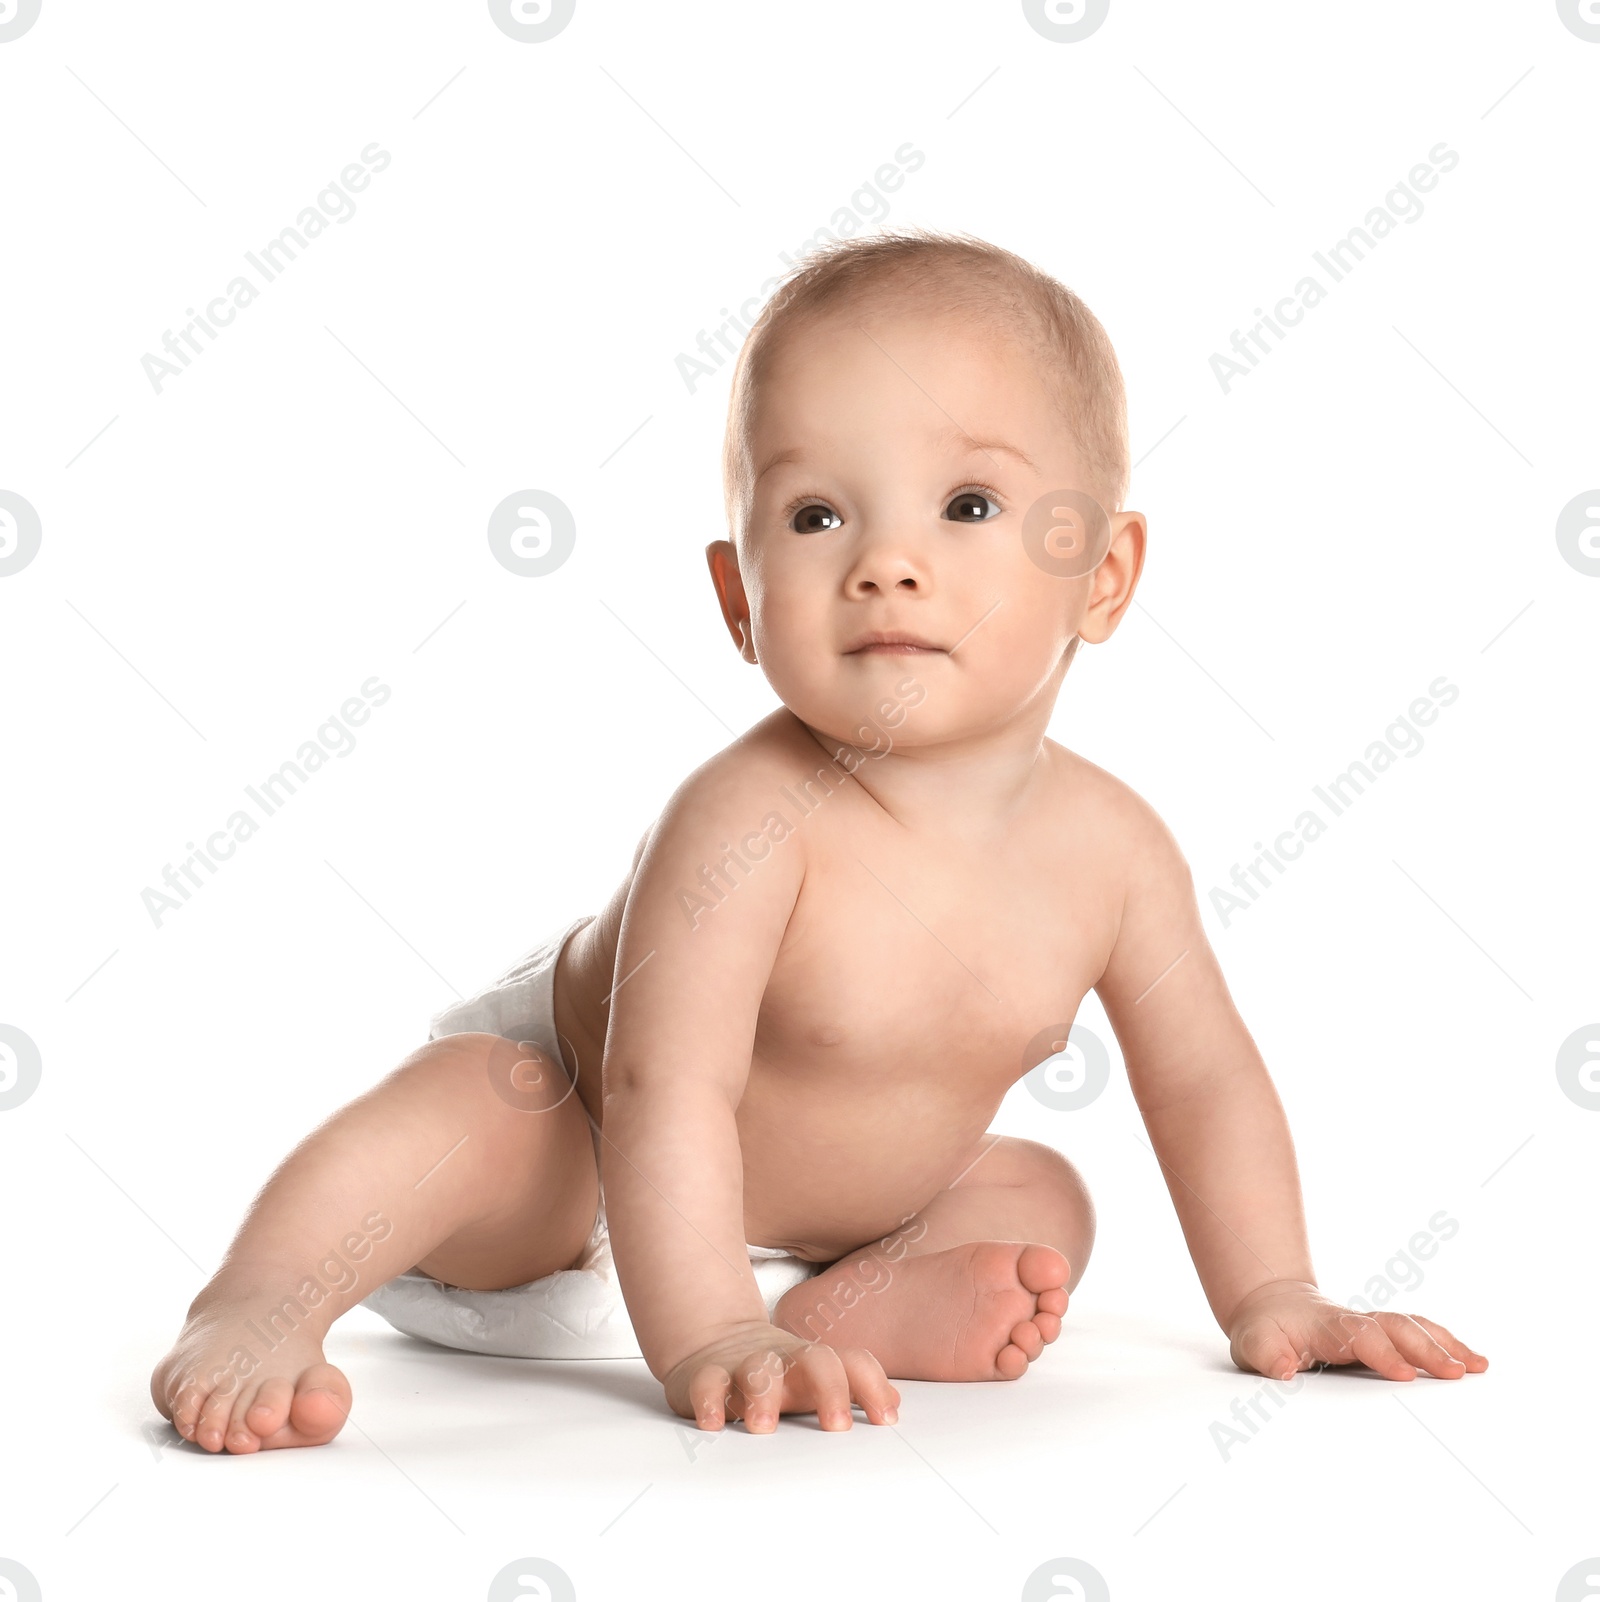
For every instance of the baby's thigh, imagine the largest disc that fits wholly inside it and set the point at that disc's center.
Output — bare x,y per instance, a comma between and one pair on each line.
536,1187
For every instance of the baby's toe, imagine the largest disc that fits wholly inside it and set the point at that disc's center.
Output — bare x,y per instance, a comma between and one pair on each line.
321,1402
1011,1362
1048,1325
212,1424
240,1437
1041,1269
1053,1301
1026,1335
270,1410
185,1408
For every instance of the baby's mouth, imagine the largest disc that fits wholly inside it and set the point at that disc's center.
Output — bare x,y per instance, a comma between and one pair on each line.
892,644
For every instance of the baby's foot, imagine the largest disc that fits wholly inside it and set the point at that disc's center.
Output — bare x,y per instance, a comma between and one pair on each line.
981,1311
290,1397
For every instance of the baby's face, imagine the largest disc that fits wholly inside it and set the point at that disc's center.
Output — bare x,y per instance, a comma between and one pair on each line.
897,456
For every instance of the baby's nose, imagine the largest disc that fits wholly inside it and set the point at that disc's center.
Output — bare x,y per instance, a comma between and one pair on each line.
886,563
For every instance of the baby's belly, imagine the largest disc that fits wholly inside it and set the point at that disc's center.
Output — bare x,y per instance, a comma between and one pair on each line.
855,1115
828,1171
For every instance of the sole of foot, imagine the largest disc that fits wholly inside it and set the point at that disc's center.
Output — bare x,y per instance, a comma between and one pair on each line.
980,1311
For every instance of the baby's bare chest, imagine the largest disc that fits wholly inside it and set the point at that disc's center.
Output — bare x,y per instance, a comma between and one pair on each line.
908,969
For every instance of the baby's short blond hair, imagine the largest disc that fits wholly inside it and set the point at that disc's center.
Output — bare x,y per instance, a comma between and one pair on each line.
948,272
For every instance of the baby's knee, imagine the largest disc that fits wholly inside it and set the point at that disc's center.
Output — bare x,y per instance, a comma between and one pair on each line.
1061,1189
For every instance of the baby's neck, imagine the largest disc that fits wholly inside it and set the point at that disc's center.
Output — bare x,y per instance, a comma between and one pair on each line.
967,788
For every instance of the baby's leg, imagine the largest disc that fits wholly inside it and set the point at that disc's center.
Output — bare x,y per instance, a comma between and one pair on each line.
970,1288
471,1161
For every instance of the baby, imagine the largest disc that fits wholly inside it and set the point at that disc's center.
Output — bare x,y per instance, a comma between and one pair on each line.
840,944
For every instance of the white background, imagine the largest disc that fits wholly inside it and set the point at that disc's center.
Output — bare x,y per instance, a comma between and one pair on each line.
225,562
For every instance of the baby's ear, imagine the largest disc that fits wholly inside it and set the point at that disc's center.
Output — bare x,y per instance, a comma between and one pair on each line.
723,560
1115,578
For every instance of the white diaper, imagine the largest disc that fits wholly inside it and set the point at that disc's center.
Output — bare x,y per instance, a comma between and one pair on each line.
576,1312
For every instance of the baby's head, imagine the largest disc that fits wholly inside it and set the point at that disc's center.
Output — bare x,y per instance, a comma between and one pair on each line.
904,413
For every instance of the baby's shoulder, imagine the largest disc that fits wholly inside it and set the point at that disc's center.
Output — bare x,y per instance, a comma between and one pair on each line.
1124,827
744,783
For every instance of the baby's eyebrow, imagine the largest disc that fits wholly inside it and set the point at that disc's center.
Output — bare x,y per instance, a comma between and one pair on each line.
956,436
951,436
792,454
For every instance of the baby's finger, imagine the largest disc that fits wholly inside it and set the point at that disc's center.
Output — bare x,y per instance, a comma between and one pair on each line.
1264,1349
869,1385
758,1381
1475,1362
1364,1339
1416,1344
708,1392
819,1367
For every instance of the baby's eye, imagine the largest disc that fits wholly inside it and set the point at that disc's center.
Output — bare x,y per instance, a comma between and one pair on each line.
971,506
814,518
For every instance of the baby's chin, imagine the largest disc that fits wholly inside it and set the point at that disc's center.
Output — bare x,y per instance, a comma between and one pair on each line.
919,701
878,712
874,736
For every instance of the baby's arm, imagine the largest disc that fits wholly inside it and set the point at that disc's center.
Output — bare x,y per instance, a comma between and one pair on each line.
1223,1142
695,952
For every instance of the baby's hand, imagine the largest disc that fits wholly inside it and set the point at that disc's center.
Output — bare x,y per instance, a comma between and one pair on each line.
1288,1325
758,1371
